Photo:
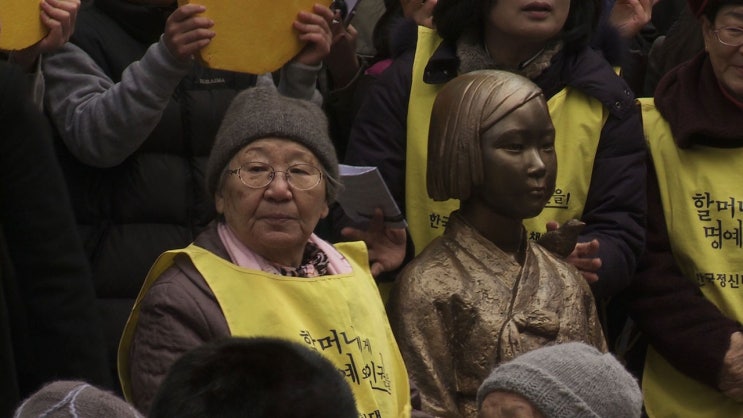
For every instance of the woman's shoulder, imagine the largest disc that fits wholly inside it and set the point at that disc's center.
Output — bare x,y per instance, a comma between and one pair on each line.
588,71
182,298
398,75
180,286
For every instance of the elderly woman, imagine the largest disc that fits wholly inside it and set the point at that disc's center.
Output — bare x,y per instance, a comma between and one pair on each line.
686,296
260,270
483,293
560,381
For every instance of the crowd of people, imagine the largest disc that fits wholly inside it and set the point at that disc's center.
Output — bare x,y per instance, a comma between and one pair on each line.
171,242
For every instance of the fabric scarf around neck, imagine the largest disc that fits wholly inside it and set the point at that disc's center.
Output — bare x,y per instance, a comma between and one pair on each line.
319,258
691,99
473,56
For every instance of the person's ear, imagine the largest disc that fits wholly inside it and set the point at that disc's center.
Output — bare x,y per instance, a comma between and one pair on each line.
219,202
707,32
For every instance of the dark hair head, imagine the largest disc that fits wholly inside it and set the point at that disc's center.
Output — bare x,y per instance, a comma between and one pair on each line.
383,30
453,17
709,9
253,378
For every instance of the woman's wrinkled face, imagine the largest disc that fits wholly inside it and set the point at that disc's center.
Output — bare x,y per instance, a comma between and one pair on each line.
275,220
727,61
533,21
519,162
499,404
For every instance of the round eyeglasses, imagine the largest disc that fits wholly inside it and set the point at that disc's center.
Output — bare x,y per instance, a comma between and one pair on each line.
257,175
730,35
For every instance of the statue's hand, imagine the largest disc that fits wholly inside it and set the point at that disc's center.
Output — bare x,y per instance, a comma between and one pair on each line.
562,240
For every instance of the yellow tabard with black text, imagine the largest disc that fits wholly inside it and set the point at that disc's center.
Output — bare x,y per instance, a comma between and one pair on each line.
340,316
578,120
703,206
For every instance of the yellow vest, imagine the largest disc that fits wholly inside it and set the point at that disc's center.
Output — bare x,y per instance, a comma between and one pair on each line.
578,120
340,316
704,218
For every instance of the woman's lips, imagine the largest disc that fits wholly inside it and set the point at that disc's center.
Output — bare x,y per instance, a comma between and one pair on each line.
537,10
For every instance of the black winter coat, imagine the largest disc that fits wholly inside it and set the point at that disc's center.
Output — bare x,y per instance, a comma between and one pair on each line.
49,327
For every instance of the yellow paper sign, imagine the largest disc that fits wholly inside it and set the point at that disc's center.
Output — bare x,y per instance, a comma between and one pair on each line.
253,36
20,24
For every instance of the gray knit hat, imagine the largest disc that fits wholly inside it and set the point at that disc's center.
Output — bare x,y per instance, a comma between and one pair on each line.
568,380
261,112
73,399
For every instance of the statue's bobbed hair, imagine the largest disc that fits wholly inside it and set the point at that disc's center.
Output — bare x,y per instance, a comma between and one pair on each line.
464,109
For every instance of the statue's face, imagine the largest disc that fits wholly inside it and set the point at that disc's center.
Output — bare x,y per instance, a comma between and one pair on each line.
519,162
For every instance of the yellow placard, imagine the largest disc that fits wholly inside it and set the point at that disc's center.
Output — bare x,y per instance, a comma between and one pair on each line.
252,36
20,24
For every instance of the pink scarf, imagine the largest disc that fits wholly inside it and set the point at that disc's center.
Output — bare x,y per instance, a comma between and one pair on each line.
247,258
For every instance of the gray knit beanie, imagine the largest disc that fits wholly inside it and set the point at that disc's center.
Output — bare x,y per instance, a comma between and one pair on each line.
73,399
261,112
568,380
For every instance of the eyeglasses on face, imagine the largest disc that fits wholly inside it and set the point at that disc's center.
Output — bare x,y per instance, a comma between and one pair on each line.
729,35
258,175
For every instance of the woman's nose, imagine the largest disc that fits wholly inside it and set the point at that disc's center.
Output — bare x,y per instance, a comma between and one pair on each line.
279,187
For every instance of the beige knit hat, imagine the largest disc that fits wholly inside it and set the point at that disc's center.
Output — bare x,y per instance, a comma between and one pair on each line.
261,112
73,399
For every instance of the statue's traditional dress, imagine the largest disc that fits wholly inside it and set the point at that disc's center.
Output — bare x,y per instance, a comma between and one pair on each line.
463,306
